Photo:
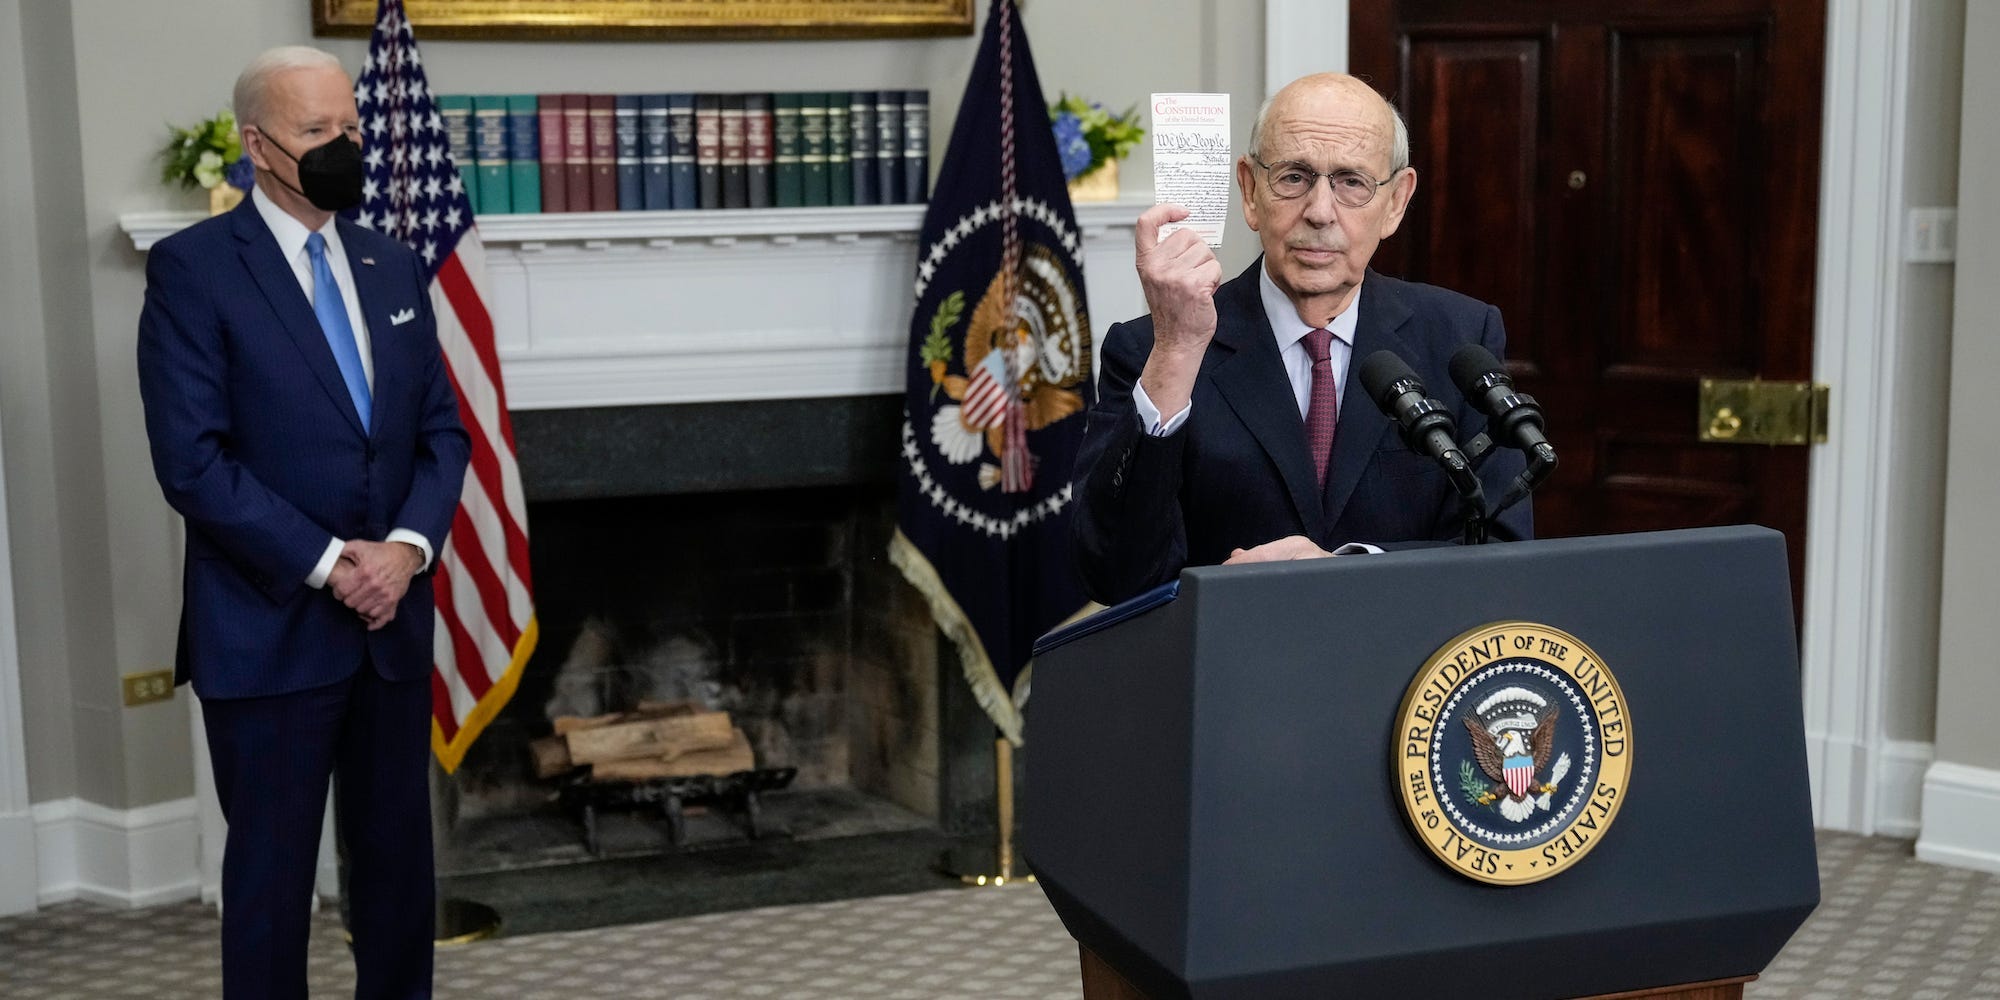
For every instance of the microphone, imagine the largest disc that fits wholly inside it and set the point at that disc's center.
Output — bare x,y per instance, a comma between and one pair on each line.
1427,427
1516,417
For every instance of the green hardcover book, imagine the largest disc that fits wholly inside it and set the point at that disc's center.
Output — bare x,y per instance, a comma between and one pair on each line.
812,147
839,167
456,112
786,169
489,147
524,152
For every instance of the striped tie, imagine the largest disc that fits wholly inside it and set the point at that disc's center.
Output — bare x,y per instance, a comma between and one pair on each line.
1325,407
332,312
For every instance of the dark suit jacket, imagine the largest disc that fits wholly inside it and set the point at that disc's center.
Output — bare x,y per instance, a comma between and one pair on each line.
1238,474
257,444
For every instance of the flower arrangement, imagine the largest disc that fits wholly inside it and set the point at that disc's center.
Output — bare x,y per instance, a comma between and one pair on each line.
205,155
1087,136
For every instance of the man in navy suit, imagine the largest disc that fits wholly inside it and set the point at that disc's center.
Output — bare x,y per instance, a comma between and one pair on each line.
1230,424
303,424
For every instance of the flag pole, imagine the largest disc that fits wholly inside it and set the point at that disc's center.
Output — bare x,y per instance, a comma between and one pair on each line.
974,865
458,921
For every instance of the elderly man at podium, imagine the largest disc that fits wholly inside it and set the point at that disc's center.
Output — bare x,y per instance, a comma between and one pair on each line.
1230,425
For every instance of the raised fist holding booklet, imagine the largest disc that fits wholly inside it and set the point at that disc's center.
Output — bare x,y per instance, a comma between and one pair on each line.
1229,426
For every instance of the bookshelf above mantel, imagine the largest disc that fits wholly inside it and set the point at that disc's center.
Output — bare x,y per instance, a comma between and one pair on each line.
642,308
775,224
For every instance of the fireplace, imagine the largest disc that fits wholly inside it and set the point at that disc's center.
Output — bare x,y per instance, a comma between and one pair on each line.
732,555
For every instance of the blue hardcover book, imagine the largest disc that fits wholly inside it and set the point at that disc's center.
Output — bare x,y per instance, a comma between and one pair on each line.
685,188
658,191
861,149
625,128
916,146
889,147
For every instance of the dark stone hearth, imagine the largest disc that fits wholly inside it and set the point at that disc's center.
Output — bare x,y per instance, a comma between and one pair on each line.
628,451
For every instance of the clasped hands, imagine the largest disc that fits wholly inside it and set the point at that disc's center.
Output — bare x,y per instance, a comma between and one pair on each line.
371,578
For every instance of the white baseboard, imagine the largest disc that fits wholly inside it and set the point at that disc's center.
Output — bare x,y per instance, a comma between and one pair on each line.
1961,817
1842,797
17,881
1899,776
126,858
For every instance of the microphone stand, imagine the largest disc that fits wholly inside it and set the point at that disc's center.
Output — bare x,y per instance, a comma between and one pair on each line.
1471,499
1541,462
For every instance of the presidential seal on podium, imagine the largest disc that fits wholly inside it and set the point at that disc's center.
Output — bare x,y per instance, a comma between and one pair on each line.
1513,751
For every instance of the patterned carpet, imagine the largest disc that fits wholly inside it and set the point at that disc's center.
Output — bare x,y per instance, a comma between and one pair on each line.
1889,926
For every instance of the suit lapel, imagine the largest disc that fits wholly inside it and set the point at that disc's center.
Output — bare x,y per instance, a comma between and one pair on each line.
372,285
1362,424
280,285
1252,380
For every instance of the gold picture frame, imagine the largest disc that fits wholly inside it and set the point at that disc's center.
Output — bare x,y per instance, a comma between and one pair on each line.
665,19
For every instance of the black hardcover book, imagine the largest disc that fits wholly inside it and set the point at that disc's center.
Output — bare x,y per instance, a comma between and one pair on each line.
684,187
888,147
861,148
916,146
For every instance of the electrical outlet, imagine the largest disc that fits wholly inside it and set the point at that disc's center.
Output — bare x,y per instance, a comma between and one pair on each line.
149,687
1932,236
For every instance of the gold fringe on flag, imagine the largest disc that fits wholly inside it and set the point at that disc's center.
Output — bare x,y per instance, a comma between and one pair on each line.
451,752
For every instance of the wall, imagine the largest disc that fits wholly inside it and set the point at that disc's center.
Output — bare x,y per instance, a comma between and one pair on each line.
90,531
1923,343
1962,789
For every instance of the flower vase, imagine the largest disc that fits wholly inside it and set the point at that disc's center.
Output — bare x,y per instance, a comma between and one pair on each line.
223,197
1100,184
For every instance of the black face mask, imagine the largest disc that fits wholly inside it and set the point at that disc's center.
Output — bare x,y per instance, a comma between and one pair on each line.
330,175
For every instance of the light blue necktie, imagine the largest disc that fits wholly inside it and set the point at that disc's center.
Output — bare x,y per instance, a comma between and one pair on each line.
332,313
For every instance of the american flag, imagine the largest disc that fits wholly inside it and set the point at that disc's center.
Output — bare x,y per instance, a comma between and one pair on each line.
485,610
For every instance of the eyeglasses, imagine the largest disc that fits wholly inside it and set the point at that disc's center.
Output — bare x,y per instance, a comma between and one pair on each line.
1292,180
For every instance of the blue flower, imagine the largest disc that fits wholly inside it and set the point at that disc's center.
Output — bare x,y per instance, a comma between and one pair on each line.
1071,147
241,174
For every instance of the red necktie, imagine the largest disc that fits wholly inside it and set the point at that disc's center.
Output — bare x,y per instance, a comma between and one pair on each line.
1325,405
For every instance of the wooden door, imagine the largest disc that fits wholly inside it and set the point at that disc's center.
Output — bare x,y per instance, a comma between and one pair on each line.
1635,184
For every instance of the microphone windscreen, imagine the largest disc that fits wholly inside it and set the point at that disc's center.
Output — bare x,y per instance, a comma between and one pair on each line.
1470,364
1380,372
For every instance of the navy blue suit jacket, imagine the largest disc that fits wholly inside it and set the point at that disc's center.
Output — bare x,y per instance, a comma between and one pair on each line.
257,444
1238,473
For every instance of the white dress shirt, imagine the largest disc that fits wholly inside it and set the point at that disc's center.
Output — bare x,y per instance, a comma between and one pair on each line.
291,235
1290,332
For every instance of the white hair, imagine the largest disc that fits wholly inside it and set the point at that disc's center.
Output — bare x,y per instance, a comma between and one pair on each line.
254,84
1399,144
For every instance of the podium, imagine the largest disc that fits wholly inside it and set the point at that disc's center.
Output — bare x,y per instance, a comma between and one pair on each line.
1219,806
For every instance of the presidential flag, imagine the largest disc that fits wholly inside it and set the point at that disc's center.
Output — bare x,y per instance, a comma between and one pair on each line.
999,379
485,610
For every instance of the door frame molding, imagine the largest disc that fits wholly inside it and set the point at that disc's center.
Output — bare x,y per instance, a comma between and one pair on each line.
1843,650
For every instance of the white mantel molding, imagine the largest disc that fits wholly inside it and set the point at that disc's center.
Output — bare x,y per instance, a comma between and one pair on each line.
636,308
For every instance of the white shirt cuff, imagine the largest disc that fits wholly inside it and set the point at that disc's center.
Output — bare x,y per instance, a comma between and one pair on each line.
317,578
423,544
1357,549
1149,415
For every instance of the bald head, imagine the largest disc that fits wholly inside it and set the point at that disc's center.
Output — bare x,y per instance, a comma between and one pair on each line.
1307,101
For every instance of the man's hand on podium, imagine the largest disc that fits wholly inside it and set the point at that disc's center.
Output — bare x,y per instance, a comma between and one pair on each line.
1288,547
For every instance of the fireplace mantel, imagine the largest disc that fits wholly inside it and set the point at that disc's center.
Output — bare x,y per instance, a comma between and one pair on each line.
597,309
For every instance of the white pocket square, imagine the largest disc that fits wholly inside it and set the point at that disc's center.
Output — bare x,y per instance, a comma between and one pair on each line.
398,319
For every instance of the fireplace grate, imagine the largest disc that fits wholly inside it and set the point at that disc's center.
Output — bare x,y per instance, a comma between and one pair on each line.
734,794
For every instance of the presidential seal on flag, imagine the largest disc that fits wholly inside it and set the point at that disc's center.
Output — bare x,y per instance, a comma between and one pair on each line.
1513,752
1022,354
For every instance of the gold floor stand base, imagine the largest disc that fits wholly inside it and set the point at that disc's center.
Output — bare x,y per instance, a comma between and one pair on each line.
980,865
462,921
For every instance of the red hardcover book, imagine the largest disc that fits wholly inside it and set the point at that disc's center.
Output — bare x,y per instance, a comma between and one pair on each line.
576,152
603,153
548,112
